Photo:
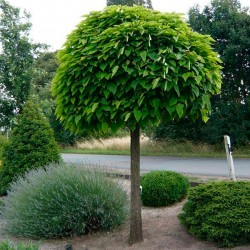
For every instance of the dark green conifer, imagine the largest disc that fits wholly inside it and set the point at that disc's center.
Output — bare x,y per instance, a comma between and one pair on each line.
32,145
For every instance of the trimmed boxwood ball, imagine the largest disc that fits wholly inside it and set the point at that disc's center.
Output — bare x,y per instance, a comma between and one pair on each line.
162,188
63,200
219,212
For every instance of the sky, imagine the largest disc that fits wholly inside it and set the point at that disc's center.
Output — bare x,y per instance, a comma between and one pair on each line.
53,20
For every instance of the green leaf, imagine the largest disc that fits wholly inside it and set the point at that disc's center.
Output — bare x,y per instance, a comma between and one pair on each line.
173,101
103,66
205,118
195,90
179,109
77,119
143,55
134,84
127,116
99,113
128,51
198,79
114,70
129,70
170,110
121,52
113,114
177,90
156,103
186,75
173,63
106,93
168,85
117,103
179,56
105,127
153,56
145,73
140,101
95,106
72,100
155,82
112,88
137,114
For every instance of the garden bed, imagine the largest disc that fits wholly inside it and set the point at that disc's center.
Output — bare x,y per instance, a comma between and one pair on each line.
161,230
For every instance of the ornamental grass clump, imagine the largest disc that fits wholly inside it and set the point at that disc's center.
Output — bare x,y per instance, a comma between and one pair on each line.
219,212
163,188
63,200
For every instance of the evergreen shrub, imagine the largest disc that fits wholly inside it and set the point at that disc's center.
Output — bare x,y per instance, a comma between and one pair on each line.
219,212
31,145
162,188
63,200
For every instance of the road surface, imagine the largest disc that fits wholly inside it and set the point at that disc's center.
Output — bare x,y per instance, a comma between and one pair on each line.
197,166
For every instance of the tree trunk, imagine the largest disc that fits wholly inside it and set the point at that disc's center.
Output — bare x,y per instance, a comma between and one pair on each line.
135,209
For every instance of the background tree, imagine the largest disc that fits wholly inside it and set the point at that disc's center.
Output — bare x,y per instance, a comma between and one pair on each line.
31,145
131,67
229,25
144,3
16,59
45,66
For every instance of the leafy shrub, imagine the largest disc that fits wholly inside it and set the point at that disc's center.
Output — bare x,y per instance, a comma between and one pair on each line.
31,145
63,200
219,212
162,188
7,245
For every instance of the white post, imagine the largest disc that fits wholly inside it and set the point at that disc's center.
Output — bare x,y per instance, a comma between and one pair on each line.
229,157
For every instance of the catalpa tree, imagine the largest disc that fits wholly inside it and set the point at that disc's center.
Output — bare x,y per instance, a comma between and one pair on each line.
131,67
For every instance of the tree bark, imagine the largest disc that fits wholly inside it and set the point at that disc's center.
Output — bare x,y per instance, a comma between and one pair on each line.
135,209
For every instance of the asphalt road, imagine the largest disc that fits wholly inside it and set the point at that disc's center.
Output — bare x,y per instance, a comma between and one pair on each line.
197,166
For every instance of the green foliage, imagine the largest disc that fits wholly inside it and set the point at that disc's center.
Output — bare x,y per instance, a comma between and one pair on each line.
144,3
178,131
64,200
131,66
31,145
7,245
45,66
3,143
16,59
230,27
163,188
219,212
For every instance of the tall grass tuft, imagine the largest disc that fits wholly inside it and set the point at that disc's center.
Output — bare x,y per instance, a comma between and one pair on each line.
121,145
115,143
63,200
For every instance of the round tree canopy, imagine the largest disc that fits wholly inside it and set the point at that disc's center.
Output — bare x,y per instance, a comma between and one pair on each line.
131,66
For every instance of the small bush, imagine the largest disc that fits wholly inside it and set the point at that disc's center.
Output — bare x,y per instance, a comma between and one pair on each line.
219,212
31,145
162,188
63,200
7,245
